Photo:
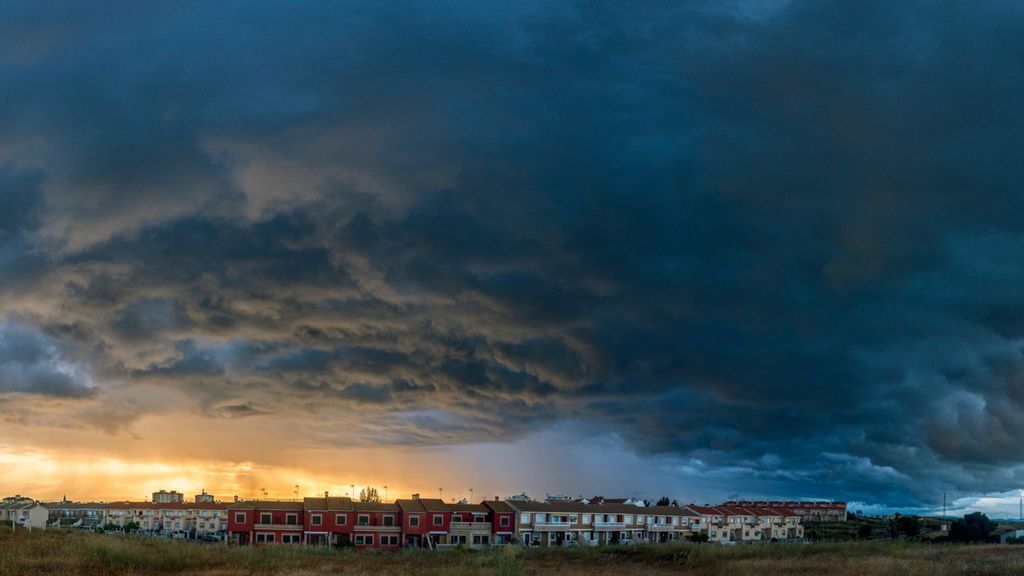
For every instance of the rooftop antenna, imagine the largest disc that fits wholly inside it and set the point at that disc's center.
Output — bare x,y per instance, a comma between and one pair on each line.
296,491
264,492
440,493
353,487
385,492
471,496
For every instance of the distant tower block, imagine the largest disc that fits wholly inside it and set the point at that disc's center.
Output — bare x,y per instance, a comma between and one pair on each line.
165,497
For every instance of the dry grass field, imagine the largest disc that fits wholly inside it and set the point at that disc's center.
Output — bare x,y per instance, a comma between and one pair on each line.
65,553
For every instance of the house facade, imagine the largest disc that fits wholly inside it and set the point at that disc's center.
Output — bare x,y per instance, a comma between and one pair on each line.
24,512
183,520
328,521
266,522
813,511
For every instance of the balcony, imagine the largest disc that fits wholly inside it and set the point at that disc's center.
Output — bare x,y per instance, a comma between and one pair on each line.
551,524
661,527
277,527
602,525
376,527
470,526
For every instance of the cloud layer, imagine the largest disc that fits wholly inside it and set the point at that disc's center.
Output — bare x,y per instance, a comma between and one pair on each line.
778,243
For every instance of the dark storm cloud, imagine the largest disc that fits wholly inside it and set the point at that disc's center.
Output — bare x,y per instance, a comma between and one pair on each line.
782,240
32,363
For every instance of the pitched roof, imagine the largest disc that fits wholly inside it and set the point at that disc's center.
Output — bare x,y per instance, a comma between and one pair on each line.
266,505
668,511
498,506
375,507
160,506
478,508
328,504
412,505
531,506
575,507
75,505
434,505
706,510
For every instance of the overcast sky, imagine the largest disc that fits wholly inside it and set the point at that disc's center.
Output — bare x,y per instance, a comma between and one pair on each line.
701,249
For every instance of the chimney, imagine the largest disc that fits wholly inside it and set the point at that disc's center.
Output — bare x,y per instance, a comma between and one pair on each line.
495,498
326,496
416,496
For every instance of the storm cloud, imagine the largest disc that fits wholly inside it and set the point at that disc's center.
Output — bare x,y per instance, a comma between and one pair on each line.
779,242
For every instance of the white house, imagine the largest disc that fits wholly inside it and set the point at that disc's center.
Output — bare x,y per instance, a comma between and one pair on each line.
24,512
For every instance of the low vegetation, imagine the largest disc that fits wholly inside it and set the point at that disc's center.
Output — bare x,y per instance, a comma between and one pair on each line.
67,553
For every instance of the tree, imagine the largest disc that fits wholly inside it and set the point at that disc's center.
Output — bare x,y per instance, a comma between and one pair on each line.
131,527
864,532
974,527
664,501
699,537
369,494
908,525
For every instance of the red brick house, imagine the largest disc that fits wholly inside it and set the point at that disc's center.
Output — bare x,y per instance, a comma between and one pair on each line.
328,521
503,521
265,522
377,526
470,526
415,529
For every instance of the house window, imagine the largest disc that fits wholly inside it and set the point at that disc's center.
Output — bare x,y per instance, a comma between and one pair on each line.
363,539
438,520
414,520
364,520
504,521
264,538
291,519
290,538
341,519
481,539
389,521
239,517
316,519
525,518
388,540
265,519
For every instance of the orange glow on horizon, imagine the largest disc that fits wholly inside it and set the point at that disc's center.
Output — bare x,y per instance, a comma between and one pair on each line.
49,476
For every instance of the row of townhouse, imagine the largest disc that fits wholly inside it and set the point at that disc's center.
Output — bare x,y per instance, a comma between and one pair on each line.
544,523
748,524
820,511
432,523
340,521
194,520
